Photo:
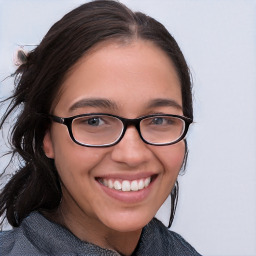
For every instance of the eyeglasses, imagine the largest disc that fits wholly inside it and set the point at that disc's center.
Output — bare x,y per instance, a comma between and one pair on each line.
103,130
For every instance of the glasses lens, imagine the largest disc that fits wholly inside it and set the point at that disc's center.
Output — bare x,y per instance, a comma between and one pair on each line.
96,130
162,129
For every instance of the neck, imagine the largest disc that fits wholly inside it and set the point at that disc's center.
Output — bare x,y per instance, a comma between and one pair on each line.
91,230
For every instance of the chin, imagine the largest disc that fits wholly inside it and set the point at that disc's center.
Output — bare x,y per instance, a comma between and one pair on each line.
128,222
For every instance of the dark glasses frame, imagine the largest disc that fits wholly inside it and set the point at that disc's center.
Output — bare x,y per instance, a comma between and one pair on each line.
126,122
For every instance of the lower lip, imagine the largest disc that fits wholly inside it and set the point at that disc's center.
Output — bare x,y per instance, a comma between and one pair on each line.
128,197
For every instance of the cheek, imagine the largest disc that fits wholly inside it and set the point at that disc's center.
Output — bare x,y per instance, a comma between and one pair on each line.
172,158
74,161
71,159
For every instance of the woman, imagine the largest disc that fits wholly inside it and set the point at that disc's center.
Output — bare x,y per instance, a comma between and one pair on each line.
105,105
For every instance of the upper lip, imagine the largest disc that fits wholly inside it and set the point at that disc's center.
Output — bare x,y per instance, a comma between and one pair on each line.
124,176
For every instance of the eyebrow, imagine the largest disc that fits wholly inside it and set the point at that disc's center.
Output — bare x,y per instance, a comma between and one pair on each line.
106,103
164,103
93,102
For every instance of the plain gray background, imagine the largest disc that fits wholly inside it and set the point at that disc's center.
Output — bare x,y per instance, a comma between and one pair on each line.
217,207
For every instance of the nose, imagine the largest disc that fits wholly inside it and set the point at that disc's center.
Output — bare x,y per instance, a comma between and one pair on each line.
131,150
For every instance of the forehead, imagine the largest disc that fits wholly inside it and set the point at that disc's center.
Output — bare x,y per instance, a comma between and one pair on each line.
121,72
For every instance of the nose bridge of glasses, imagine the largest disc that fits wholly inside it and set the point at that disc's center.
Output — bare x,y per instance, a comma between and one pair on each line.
131,122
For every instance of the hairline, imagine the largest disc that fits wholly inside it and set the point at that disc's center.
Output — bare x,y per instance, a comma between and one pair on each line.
121,40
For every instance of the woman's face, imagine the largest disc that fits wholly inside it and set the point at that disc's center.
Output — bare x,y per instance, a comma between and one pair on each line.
130,78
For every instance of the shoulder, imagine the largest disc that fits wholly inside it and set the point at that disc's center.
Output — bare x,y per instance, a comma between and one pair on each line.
7,242
37,236
156,238
25,239
15,242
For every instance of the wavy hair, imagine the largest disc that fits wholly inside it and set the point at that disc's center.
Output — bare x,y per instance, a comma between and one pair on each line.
35,185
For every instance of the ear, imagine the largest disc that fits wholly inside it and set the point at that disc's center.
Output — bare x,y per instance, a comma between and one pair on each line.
48,145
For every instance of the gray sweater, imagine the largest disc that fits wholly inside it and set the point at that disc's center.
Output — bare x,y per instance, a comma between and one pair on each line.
38,236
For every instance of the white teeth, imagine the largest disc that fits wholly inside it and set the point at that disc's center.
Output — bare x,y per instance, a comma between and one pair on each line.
147,181
127,185
117,185
105,182
141,184
110,184
134,185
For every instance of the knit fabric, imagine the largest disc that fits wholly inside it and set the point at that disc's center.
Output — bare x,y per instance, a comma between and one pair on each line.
38,236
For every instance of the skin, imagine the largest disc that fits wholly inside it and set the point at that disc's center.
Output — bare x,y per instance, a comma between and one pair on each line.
131,76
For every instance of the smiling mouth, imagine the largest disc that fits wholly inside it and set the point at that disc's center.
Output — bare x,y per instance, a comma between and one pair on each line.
126,185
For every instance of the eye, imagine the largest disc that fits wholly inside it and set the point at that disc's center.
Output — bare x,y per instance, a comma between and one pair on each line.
157,120
95,121
162,121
